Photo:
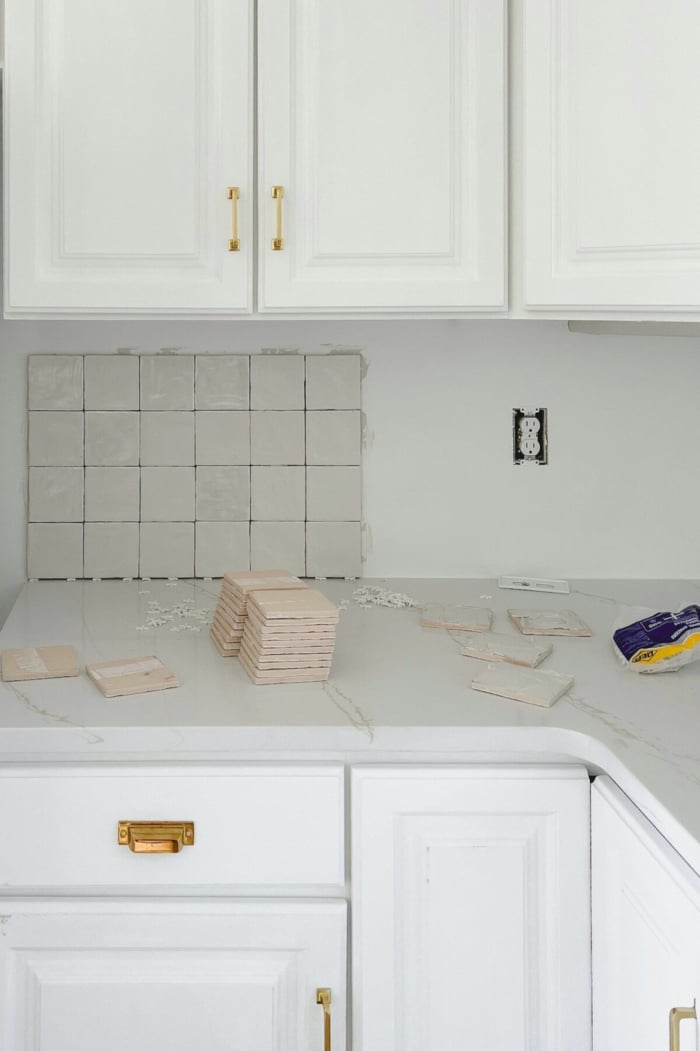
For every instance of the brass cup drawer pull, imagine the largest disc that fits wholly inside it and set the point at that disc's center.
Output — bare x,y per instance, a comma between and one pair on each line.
675,1017
323,997
156,837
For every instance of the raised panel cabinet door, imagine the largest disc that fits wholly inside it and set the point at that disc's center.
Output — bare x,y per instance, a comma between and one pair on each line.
471,914
646,929
612,154
215,976
384,126
126,124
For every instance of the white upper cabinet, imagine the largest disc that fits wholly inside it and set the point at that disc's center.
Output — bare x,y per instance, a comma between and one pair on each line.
612,154
384,123
126,124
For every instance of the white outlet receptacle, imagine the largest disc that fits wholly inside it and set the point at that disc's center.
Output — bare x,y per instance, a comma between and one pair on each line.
530,436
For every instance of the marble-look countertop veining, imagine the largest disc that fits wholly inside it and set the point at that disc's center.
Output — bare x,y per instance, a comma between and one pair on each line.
397,692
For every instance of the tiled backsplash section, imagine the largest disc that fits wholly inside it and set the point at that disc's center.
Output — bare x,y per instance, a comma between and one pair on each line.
189,465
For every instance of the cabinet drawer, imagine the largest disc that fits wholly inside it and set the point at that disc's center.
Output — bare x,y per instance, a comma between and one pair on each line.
253,826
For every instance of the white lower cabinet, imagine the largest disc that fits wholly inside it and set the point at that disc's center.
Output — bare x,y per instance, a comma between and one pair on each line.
646,930
471,918
151,976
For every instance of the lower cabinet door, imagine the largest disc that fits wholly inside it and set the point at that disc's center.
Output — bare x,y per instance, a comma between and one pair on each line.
181,976
471,920
646,931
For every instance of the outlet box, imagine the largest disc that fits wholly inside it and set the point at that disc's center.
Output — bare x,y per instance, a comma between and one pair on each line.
530,436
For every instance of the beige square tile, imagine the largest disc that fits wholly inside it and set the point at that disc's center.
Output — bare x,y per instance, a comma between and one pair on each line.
111,494
333,439
111,549
55,439
223,494
54,552
223,381
167,494
333,549
55,381
166,549
274,544
278,495
333,381
111,381
167,439
277,381
112,439
221,547
222,439
167,382
333,494
55,494
277,437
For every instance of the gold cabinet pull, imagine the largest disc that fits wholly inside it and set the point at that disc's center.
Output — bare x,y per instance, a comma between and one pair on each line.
675,1017
233,195
278,242
156,837
323,997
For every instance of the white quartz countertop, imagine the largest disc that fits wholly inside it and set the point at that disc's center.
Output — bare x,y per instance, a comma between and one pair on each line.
397,692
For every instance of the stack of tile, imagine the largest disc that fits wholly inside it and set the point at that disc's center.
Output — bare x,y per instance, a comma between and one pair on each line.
230,615
288,636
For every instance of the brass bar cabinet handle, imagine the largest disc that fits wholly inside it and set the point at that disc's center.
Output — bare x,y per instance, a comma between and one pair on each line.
323,997
675,1017
155,837
233,195
278,241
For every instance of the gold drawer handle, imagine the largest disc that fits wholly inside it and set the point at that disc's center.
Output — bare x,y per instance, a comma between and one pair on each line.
278,242
675,1017
323,997
233,195
156,837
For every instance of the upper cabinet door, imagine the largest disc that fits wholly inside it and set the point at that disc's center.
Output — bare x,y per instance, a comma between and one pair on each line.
384,123
126,124
612,100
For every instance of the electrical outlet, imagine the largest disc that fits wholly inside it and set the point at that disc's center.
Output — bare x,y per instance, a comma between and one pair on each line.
530,436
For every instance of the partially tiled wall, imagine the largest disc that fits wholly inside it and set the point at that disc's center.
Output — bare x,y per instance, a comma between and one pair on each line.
174,465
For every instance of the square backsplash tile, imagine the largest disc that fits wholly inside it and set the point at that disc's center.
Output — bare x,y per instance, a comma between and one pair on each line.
170,465
111,381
